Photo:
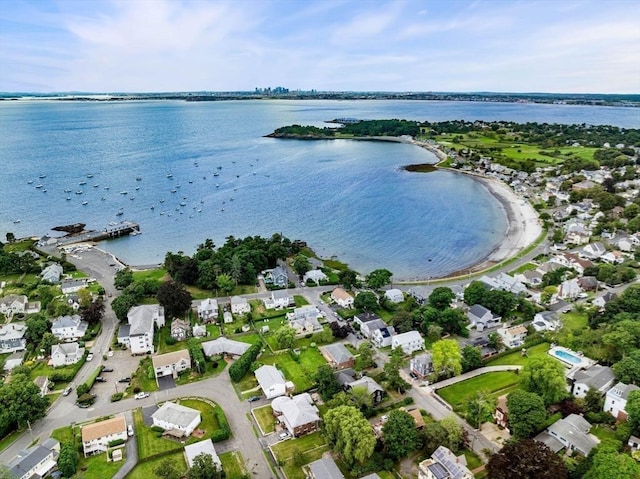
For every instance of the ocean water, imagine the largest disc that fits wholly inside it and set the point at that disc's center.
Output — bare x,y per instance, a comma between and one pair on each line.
206,171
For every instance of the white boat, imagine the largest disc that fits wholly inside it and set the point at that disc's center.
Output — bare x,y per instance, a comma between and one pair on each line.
82,183
79,192
39,185
90,175
67,191
120,213
124,192
42,176
85,202
106,187
16,221
96,185
68,198
169,175
30,182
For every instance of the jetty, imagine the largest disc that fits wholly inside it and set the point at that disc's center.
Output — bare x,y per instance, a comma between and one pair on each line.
114,230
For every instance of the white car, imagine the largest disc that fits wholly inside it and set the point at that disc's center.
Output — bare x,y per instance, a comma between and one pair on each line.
141,395
89,356
283,435
130,430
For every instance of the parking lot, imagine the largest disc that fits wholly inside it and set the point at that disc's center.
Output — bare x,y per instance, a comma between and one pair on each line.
123,365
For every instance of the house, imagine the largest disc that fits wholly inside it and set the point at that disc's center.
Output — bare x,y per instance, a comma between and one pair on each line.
593,250
227,317
201,447
560,305
342,298
613,257
36,461
615,401
530,277
298,414
598,377
512,337
97,436
42,383
305,320
73,285
12,337
571,433
199,331
240,305
74,301
421,365
367,329
325,468
382,337
443,464
305,312
272,381
394,295
13,360
420,294
208,310
376,392
634,443
362,318
277,277
66,353
224,346
314,275
279,299
588,283
51,273
13,304
409,342
569,289
180,329
33,307
171,364
545,321
181,420
601,301
504,282
418,420
338,356
482,318
137,335
501,413
69,328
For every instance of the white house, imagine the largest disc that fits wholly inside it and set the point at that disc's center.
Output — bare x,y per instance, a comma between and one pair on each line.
482,318
68,328
512,337
202,447
593,250
409,342
382,337
224,346
444,464
97,436
180,329
137,335
546,321
368,328
13,304
276,276
598,377
73,285
36,461
208,310
421,365
314,275
571,433
569,289
279,299
240,305
52,273
171,364
227,317
504,282
181,420
342,298
66,353
12,337
394,295
272,381
615,401
602,300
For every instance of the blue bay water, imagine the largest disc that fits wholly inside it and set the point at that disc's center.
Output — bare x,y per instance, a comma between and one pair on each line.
345,198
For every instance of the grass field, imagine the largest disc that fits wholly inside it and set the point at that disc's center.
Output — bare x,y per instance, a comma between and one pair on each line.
311,446
264,417
497,384
232,465
518,359
299,372
159,274
145,470
148,442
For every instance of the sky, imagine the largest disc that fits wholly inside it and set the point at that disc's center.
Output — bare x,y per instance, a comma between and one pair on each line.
563,46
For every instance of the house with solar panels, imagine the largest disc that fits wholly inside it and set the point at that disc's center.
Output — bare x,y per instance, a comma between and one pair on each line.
443,464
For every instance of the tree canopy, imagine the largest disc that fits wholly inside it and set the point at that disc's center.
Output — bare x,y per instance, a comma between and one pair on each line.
526,459
544,376
447,359
175,299
526,413
20,401
378,278
400,434
350,433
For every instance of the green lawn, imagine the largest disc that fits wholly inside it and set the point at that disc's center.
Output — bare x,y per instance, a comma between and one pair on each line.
232,465
148,442
159,274
209,422
299,372
9,438
141,379
300,300
497,384
604,432
473,460
517,358
573,320
41,369
312,446
145,470
523,268
264,417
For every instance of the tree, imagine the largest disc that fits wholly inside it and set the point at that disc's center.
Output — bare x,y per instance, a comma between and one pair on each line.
301,264
526,413
453,321
323,337
68,459
544,376
347,278
433,436
285,337
402,321
447,359
48,340
392,371
350,433
11,238
480,407
526,459
379,278
93,312
122,304
225,283
328,385
204,468
471,358
608,463
365,355
454,430
633,409
339,331
20,401
627,370
36,325
400,435
593,401
441,298
175,299
474,293
123,278
365,301
360,397
167,470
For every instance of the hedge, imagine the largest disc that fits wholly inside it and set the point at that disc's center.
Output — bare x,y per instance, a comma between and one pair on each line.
225,431
116,442
243,364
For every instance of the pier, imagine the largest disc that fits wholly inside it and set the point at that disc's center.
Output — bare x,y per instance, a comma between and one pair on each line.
114,230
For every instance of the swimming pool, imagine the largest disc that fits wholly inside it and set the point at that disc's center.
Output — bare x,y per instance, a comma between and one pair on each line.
566,356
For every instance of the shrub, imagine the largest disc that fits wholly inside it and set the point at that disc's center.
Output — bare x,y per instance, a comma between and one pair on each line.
157,429
170,340
116,397
243,364
116,442
136,390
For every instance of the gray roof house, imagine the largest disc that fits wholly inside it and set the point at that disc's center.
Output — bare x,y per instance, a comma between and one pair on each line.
337,355
52,273
272,381
482,318
73,285
421,365
69,327
12,337
66,353
572,433
174,417
598,377
36,461
225,346
325,468
298,413
373,388
202,447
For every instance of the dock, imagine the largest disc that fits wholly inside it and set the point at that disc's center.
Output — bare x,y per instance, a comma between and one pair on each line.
114,230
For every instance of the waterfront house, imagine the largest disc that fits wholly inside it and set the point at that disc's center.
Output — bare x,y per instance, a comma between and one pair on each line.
12,337
615,401
137,335
443,464
35,461
180,329
240,305
598,377
51,273
410,342
69,328
276,277
314,275
272,381
225,347
13,304
298,414
421,365
419,293
171,364
179,420
342,298
504,282
206,447
571,433
66,353
482,318
73,285
208,310
394,295
97,436
338,356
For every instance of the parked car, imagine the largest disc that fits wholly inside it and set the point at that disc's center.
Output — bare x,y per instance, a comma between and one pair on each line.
129,430
100,379
89,356
107,370
124,380
255,398
283,435
67,391
141,395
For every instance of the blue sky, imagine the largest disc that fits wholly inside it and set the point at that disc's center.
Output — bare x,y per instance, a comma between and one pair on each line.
412,45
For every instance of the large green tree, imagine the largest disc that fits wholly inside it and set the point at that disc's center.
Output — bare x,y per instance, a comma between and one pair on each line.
328,385
379,278
68,459
348,278
37,325
400,435
167,470
226,283
447,359
627,370
608,463
350,434
285,337
20,401
123,278
471,358
441,298
365,355
175,299
392,371
301,264
544,376
526,459
455,433
366,301
479,408
204,468
526,413
633,409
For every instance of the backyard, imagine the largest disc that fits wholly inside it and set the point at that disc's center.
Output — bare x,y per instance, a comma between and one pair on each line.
516,357
292,454
300,371
496,383
265,419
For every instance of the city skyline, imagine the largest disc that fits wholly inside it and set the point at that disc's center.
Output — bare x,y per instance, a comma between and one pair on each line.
464,46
